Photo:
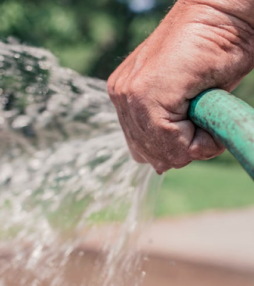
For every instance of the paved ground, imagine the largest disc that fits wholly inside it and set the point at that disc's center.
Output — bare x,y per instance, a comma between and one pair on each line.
212,249
216,238
209,249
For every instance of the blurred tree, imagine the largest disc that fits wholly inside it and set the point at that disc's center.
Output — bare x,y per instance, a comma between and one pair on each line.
91,36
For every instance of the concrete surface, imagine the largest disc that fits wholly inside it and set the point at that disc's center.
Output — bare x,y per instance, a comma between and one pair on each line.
221,239
211,249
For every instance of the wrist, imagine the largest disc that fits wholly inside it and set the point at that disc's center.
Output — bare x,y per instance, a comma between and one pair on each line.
237,10
221,45
226,19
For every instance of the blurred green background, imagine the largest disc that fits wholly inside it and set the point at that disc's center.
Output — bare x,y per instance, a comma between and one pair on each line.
93,37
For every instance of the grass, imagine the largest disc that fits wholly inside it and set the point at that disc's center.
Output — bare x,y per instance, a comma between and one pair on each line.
213,185
201,186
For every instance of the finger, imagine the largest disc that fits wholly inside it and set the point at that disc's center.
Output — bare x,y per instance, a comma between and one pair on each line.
160,167
182,165
125,68
204,146
137,156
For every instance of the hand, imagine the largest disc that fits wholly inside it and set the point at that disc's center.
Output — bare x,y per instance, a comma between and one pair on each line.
196,47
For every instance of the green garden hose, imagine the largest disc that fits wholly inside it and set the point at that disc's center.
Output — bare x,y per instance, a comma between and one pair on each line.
230,120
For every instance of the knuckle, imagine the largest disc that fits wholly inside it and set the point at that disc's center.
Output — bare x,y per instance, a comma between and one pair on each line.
199,152
160,166
138,86
195,151
113,98
111,85
174,130
111,89
179,166
119,87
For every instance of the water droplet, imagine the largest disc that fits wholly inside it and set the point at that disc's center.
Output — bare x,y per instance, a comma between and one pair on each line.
21,121
29,68
143,273
81,253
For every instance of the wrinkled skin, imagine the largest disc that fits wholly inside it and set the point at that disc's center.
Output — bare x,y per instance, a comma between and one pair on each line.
196,47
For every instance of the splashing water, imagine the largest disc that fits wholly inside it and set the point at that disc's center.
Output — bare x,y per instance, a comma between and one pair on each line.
64,167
